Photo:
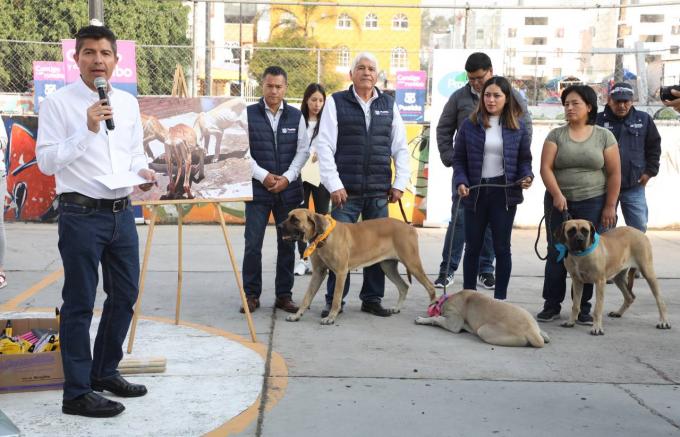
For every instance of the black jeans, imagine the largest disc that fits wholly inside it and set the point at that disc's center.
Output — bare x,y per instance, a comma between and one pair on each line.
555,282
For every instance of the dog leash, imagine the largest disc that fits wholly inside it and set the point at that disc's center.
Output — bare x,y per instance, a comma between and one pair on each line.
565,216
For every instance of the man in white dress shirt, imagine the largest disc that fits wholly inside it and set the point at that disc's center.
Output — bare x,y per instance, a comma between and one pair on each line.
96,224
360,133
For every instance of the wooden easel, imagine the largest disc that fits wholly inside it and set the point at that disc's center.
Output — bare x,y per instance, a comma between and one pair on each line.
179,89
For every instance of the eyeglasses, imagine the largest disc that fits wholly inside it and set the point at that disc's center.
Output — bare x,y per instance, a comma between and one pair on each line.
476,79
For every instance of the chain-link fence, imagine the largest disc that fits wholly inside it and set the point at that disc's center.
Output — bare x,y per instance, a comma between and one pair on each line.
542,49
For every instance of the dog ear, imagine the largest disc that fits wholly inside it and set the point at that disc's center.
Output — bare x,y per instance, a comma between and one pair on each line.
592,233
319,224
559,234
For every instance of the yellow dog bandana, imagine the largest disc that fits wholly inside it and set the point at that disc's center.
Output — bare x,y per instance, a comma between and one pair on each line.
313,245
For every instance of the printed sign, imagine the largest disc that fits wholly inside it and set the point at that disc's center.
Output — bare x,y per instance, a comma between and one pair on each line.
48,76
410,94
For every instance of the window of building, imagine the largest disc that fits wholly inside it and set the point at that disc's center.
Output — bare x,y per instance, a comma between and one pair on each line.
535,21
536,41
480,33
651,18
371,21
512,32
400,22
534,60
558,52
557,72
246,12
512,52
343,57
344,22
399,59
651,38
675,30
559,33
674,50
650,59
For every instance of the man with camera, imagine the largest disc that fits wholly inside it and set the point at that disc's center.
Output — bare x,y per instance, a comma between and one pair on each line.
672,99
639,147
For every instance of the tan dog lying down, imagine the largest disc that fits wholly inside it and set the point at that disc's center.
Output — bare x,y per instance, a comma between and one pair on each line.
616,256
494,321
354,245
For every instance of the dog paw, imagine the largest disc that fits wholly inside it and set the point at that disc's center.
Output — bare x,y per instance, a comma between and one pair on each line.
395,310
596,331
567,324
292,318
663,325
614,314
327,321
420,320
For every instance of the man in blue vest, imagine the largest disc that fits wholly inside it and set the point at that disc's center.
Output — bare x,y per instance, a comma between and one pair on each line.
279,147
639,147
360,132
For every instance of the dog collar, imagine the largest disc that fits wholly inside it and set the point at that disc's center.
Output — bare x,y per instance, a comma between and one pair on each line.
562,249
435,309
313,245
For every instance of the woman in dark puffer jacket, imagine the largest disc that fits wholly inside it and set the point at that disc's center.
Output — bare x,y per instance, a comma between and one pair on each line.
492,147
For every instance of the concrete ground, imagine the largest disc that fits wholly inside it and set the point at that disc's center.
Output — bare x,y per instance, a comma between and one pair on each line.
367,376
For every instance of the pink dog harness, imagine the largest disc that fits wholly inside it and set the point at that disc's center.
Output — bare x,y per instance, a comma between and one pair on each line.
435,309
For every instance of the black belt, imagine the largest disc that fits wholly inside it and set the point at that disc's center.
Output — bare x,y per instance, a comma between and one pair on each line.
113,205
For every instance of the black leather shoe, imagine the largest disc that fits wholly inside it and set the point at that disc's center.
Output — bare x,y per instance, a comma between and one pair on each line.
118,386
327,310
92,405
376,309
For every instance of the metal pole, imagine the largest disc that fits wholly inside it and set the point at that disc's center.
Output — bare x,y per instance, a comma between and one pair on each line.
96,8
318,65
208,60
240,50
194,40
536,79
465,32
643,93
620,34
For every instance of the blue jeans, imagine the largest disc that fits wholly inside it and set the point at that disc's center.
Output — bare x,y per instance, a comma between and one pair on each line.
555,279
634,207
257,217
373,288
87,237
453,254
489,213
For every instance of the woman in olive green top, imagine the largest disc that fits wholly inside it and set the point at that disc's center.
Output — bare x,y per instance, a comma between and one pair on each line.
580,168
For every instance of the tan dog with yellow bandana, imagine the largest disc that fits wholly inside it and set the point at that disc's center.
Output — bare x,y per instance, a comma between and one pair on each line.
342,247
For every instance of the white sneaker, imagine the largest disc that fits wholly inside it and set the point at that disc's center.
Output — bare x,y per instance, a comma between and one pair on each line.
300,268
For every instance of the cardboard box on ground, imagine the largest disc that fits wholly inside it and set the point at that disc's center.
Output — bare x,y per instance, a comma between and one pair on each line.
31,372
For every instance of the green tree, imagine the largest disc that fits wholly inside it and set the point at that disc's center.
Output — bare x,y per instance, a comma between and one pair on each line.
42,24
298,56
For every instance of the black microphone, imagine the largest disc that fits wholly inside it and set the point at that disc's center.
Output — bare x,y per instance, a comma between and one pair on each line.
101,85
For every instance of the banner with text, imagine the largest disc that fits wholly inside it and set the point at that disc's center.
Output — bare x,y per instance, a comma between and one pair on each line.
48,76
411,93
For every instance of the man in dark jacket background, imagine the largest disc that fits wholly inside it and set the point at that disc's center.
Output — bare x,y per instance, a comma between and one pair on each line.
279,147
460,105
360,132
639,147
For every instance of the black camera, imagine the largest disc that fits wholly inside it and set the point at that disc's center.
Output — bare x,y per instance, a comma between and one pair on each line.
665,92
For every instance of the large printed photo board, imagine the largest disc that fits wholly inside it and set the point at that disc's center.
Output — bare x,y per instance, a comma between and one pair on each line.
198,147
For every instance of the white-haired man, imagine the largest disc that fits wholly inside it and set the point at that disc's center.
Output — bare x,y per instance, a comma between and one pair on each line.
360,132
